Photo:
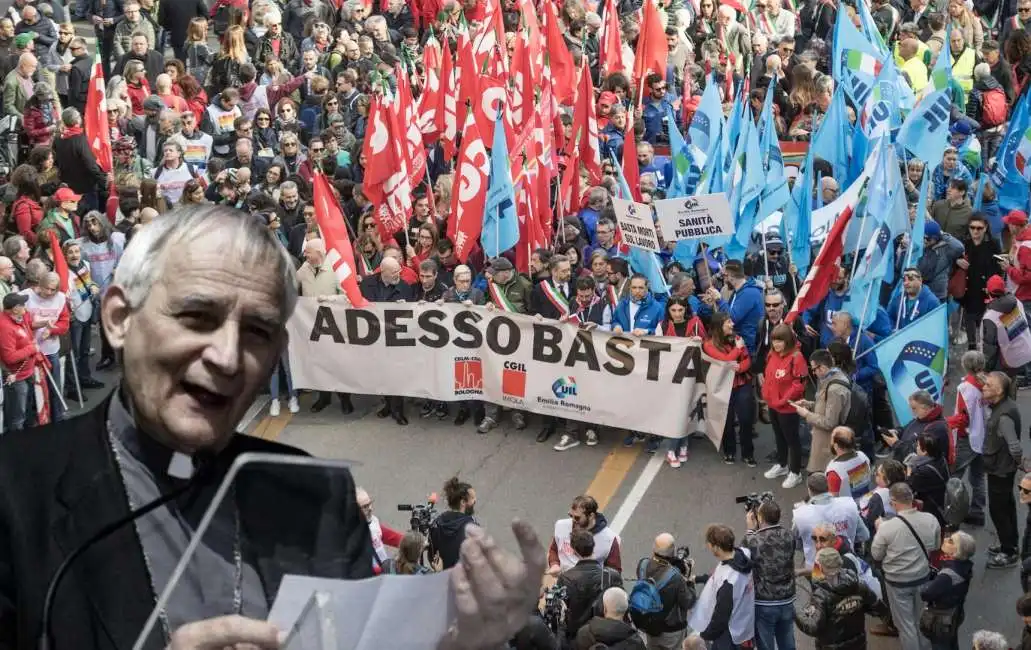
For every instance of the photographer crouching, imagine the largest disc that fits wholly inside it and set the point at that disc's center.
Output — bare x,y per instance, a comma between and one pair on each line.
773,573
584,583
447,532
668,571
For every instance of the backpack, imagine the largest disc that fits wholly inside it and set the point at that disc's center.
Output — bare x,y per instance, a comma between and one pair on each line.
993,107
309,116
645,598
858,417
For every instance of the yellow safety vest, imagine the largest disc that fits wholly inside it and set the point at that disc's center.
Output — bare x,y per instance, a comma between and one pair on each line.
963,69
917,73
920,51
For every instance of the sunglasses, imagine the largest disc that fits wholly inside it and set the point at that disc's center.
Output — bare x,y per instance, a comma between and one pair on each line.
773,305
1024,490
977,227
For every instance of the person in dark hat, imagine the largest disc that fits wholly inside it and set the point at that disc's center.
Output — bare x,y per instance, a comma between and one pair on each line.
941,251
773,269
19,355
980,263
1001,352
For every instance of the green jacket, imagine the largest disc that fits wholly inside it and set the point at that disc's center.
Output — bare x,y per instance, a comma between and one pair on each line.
518,293
14,95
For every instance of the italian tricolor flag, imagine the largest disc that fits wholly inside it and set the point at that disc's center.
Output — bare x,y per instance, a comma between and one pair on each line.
1023,155
862,62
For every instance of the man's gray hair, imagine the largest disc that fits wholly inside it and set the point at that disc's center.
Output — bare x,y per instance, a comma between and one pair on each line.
35,271
247,241
12,245
616,601
923,398
973,362
71,116
374,21
776,293
287,185
988,640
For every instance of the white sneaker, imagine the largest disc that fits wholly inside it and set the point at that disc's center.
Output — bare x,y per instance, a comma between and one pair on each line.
273,408
776,471
566,442
672,459
592,437
293,405
793,480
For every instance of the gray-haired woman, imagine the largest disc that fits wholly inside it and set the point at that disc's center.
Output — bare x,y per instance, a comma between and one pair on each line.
947,593
967,428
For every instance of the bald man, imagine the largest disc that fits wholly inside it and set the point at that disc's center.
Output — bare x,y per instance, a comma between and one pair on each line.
665,630
382,535
387,286
610,630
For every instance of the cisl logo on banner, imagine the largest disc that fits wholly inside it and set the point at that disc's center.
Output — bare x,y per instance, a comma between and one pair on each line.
513,382
468,376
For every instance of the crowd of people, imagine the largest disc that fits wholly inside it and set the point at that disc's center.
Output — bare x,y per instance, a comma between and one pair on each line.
247,116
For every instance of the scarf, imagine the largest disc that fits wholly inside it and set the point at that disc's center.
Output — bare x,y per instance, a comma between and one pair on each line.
934,414
70,132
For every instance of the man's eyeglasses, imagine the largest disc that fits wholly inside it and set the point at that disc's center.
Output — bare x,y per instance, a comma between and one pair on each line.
773,305
317,149
1023,10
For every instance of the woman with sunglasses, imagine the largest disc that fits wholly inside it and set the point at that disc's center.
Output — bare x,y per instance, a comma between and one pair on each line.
979,264
264,134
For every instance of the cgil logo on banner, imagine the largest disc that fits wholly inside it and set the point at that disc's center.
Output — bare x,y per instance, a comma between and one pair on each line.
468,376
513,382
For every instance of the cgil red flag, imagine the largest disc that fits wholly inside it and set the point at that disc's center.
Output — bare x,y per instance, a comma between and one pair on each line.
386,169
825,268
60,263
652,50
610,42
585,127
470,193
339,253
98,131
631,170
560,60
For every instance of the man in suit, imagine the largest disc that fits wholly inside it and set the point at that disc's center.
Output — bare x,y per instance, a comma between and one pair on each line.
200,332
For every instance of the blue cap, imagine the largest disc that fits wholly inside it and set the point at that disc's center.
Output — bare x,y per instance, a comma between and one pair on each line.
961,127
932,230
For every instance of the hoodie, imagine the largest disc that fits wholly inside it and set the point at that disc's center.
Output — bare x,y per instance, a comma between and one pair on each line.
912,308
717,612
976,98
447,532
746,309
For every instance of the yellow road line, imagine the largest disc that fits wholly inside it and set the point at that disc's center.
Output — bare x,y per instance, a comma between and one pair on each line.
613,471
270,428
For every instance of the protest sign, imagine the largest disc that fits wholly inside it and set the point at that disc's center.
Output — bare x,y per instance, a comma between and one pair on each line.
451,352
695,217
635,222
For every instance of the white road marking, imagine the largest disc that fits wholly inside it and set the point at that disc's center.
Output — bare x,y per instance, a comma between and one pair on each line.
253,412
644,481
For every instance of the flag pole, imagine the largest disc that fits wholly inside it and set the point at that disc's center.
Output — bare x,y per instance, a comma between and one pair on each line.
862,315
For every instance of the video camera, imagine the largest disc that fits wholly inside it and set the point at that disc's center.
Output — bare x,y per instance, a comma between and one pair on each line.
422,515
754,500
554,597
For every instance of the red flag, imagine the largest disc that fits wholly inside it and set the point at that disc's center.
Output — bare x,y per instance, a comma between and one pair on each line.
652,49
470,193
447,106
428,113
386,171
585,126
825,268
468,74
404,110
631,170
610,42
563,74
60,264
338,245
98,131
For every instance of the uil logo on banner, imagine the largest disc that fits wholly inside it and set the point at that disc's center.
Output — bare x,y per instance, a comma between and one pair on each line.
468,376
513,382
564,388
917,366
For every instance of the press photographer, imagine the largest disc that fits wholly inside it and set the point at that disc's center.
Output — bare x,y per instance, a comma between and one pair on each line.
447,532
773,573
585,582
664,582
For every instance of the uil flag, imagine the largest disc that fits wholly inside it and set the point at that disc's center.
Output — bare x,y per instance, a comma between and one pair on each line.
339,253
500,224
1022,158
914,358
98,133
859,61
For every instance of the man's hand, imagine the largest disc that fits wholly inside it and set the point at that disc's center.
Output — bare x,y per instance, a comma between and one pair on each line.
637,331
554,570
890,438
617,329
810,331
226,632
495,591
963,264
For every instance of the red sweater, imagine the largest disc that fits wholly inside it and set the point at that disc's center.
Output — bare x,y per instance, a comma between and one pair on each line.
784,380
27,215
736,354
18,349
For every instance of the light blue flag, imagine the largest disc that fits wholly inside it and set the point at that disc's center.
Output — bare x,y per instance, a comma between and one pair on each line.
914,358
979,195
775,193
941,73
641,260
831,139
1011,186
915,249
746,187
925,133
870,31
796,220
708,118
856,62
881,115
685,172
500,223
711,180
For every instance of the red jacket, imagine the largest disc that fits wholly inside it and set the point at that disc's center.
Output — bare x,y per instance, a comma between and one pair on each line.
37,132
737,354
137,95
784,380
1020,272
27,215
18,351
198,105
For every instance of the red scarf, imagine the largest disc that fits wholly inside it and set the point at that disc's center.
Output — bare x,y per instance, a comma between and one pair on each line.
932,415
71,132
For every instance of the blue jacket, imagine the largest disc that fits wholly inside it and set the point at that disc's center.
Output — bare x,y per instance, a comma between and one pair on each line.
648,317
611,141
936,264
993,213
912,309
746,309
819,317
654,115
866,364
662,167
881,327
589,218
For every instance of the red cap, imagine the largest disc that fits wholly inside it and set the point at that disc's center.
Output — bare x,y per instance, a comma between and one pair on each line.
996,285
607,98
65,194
1015,218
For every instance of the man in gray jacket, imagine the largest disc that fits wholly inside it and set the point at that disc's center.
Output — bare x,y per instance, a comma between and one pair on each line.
833,401
941,250
1001,455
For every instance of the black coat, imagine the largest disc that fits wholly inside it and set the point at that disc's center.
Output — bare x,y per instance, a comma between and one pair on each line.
375,291
153,65
176,16
77,165
585,582
983,265
104,601
541,304
78,81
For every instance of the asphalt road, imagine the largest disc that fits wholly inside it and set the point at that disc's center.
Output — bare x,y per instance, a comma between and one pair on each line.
514,476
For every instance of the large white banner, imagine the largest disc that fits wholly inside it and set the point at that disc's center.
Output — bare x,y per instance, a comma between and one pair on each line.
654,384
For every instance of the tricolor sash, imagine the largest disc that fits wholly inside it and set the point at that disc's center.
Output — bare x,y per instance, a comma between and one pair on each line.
555,296
501,301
